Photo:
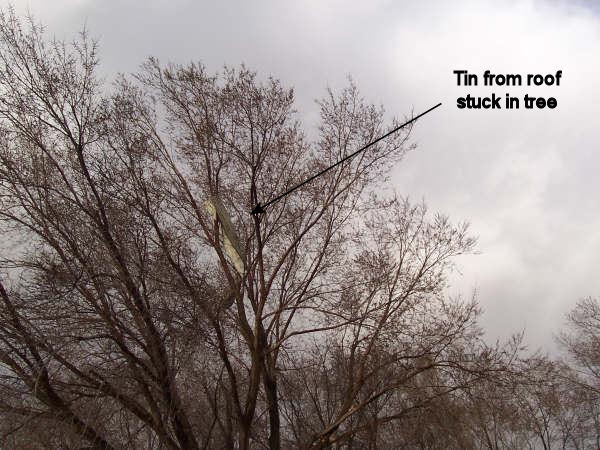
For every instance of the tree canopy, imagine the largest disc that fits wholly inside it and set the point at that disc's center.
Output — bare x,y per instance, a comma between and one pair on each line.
127,320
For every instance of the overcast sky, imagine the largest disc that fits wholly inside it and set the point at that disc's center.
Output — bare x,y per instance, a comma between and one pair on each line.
526,180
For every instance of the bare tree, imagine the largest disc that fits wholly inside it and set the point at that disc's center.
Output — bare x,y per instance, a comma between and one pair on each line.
581,339
133,316
581,343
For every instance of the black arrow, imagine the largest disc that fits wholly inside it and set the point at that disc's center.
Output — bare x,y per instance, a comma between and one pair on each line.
259,209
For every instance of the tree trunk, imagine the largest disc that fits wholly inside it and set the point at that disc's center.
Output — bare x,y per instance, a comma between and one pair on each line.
244,436
270,384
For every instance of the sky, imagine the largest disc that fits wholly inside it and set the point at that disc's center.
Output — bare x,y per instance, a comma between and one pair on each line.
526,179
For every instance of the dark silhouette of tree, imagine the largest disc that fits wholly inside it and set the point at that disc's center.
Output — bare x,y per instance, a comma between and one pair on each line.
128,321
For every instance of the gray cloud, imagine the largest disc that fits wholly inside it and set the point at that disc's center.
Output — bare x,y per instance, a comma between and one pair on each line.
525,179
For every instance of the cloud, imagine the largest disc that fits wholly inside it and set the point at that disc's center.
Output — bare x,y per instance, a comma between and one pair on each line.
526,179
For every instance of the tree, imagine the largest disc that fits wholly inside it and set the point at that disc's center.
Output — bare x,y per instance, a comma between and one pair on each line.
124,322
581,343
581,339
